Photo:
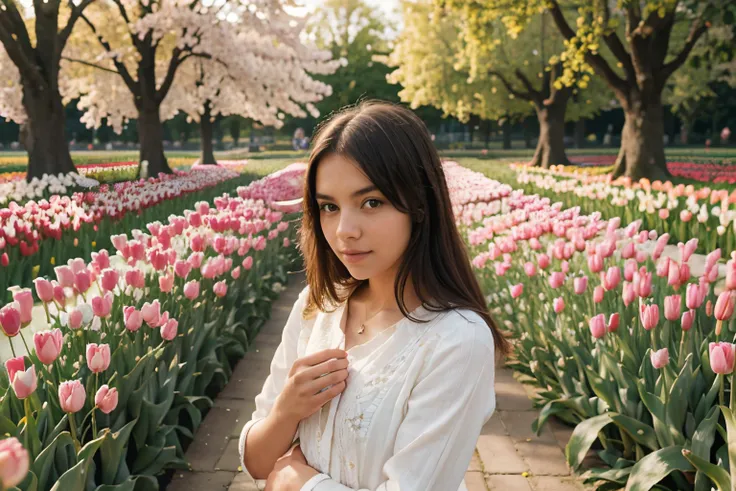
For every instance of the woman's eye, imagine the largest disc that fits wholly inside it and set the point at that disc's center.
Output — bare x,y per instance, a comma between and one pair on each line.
375,203
324,206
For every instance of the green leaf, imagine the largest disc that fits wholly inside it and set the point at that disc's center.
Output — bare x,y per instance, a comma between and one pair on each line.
715,473
43,464
650,470
76,477
705,435
641,433
113,452
731,432
657,409
583,437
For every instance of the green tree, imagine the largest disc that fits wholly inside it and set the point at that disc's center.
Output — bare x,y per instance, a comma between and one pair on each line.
638,35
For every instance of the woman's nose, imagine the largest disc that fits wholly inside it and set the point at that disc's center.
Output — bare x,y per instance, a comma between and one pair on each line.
348,226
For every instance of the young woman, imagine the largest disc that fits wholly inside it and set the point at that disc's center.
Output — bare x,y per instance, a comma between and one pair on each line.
385,370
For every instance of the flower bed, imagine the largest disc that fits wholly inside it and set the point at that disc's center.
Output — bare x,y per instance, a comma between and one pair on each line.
685,212
39,235
707,171
137,344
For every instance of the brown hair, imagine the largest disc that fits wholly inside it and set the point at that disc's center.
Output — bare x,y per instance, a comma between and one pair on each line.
393,148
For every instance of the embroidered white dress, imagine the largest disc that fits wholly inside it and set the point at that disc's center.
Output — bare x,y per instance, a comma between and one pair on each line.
416,398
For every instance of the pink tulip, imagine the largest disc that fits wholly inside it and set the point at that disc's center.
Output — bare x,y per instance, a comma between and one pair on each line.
191,290
558,304
660,358
76,317
595,263
220,289
543,261
14,463
724,305
612,278
687,320
517,290
721,357
166,282
664,213
649,315
182,269
82,281
693,297
152,313
135,278
25,382
660,245
133,318
168,330
110,279
48,345
673,274
686,215
286,242
530,269
580,284
613,322
15,365
235,273
598,294
65,276
629,294
10,319
684,274
98,357
247,263
688,249
556,279
672,307
106,399
644,286
101,306
59,295
71,396
628,251
731,275
598,326
195,259
630,269
44,290
24,298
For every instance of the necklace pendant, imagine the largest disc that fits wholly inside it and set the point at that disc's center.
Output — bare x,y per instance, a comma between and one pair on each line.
362,328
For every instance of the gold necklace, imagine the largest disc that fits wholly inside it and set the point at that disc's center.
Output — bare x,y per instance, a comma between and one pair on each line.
362,325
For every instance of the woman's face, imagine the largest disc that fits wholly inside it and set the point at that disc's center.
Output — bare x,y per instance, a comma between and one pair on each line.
363,228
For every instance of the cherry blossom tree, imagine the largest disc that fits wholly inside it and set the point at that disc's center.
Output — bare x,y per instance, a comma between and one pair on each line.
266,77
32,39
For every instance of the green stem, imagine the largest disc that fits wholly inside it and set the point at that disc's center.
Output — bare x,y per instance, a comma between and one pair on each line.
721,397
28,350
12,348
73,429
682,349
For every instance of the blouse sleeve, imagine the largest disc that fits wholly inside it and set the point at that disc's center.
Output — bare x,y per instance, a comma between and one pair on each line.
452,400
283,359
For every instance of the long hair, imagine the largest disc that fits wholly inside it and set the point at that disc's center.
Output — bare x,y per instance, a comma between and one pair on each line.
393,148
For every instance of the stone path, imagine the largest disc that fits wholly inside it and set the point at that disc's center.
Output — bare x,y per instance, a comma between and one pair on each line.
508,455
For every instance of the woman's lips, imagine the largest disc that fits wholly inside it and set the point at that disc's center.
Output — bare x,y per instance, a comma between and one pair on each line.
355,257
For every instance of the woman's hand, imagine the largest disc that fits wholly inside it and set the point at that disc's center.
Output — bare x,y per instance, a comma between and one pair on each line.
312,381
290,472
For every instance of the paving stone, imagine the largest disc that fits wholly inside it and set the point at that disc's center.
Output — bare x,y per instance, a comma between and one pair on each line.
507,482
510,395
555,483
519,427
230,459
211,481
499,455
562,431
494,426
543,458
211,439
475,481
475,463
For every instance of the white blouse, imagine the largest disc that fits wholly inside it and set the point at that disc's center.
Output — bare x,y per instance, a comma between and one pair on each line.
415,400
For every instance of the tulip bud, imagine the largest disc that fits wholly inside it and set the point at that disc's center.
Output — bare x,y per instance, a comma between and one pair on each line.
660,358
721,357
14,463
106,399
71,396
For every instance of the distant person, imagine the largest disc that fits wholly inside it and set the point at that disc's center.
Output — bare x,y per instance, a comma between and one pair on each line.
300,141
725,135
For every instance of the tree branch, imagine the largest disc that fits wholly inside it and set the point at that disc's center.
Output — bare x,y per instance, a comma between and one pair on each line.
122,70
521,95
16,27
16,53
599,64
170,72
697,30
528,85
73,18
87,63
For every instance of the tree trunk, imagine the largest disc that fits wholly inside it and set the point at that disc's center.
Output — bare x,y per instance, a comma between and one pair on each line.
506,129
151,135
580,133
44,134
551,144
205,131
642,146
487,133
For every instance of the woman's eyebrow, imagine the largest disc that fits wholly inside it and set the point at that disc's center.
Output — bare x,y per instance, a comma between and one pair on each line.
359,192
